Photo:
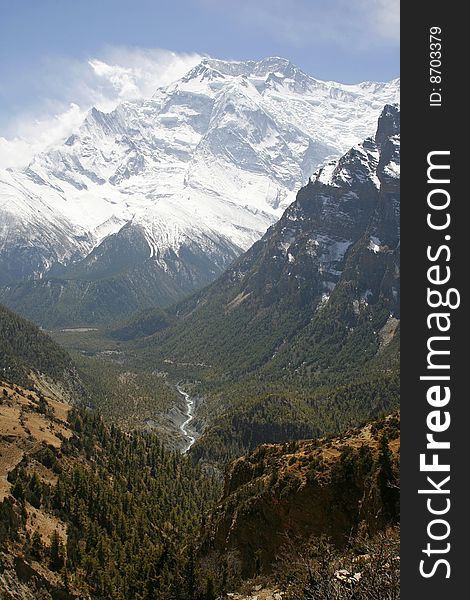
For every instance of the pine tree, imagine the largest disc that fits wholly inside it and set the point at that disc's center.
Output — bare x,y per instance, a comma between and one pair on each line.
35,491
56,552
210,588
190,575
388,486
37,547
18,490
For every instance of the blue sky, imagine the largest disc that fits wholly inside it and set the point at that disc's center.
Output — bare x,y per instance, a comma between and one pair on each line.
60,57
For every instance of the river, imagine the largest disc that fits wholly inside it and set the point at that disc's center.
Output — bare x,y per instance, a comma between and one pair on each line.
190,439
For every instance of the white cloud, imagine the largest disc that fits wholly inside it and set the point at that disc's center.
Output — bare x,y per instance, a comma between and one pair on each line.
67,89
130,73
37,135
121,78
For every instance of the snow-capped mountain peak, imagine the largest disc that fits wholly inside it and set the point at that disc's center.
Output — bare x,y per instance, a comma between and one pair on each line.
208,162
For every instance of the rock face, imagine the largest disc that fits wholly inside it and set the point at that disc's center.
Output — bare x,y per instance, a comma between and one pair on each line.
282,494
331,261
180,184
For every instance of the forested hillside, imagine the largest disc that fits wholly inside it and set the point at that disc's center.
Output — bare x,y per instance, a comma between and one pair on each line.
333,488
300,336
103,513
88,510
26,353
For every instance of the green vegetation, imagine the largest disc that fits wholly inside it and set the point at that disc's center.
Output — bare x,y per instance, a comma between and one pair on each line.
272,363
257,411
274,402
132,511
24,348
141,325
74,302
141,522
129,397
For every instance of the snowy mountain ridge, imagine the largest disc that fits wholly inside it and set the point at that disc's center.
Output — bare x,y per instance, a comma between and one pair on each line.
207,163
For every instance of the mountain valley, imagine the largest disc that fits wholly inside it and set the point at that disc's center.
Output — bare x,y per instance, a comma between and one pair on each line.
87,510
299,337
204,404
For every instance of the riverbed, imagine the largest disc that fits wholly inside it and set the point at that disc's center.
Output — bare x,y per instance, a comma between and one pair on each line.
184,427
